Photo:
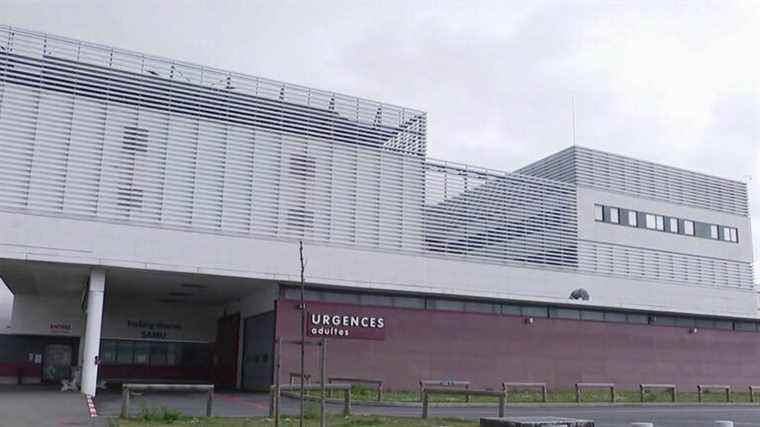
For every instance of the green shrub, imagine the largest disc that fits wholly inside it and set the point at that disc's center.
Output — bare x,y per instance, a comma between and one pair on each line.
163,414
311,410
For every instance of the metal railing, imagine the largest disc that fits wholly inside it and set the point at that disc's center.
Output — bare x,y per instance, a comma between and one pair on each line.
127,389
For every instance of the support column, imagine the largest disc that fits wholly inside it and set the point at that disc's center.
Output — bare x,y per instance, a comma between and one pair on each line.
92,331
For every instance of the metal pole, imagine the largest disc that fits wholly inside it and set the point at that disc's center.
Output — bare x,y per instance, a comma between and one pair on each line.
209,402
276,390
302,307
322,379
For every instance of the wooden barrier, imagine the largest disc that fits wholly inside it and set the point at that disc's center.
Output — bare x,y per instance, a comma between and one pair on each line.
580,386
671,387
426,392
296,375
347,380
542,386
275,395
752,389
702,387
127,389
454,384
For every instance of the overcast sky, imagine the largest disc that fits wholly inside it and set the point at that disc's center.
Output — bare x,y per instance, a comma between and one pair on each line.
672,82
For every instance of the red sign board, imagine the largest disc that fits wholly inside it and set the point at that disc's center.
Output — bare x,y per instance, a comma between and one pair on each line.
331,324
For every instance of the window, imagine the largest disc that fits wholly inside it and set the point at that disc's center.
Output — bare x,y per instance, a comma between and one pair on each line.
612,316
662,320
535,311
510,309
142,353
746,326
158,353
108,351
124,355
599,212
614,215
638,318
724,324
173,354
660,221
340,297
734,235
713,231
592,315
565,313
686,322
633,219
673,225
688,227
381,300
726,234
446,304
651,222
479,307
409,302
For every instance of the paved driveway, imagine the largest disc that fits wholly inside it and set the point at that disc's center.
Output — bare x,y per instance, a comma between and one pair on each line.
41,406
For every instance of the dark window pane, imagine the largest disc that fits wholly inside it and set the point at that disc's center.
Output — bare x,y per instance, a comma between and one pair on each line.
381,300
663,320
125,353
687,322
340,297
535,311
409,302
565,313
614,316
108,351
445,304
511,309
173,354
705,323
158,353
142,353
592,315
746,326
478,307
637,318
724,324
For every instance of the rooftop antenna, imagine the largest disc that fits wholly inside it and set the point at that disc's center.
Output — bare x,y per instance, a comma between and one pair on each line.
572,107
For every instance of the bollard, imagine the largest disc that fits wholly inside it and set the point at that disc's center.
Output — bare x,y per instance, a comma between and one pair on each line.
724,424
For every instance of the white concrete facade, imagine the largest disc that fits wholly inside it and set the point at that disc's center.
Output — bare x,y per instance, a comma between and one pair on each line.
138,247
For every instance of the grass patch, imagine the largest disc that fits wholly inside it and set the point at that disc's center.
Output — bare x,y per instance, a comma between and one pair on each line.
332,421
529,395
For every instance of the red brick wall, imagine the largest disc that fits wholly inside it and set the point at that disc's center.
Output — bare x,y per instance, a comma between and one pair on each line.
488,349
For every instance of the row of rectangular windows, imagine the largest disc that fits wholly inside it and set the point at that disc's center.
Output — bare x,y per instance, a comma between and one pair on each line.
686,227
515,309
154,353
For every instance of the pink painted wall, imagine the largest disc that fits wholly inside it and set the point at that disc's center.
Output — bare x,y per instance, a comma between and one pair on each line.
488,349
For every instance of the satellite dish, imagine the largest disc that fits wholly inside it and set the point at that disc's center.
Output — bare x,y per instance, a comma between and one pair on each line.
579,294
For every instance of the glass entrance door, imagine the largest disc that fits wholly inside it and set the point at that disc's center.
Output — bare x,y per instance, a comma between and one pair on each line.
56,363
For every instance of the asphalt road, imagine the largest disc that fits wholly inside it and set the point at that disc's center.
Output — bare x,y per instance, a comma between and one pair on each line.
603,416
41,406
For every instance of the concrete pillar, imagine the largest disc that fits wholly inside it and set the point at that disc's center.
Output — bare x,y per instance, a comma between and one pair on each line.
92,331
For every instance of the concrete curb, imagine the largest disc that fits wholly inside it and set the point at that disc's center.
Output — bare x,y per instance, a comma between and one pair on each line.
389,404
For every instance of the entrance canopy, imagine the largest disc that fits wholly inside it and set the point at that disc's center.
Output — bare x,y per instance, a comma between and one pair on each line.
54,279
